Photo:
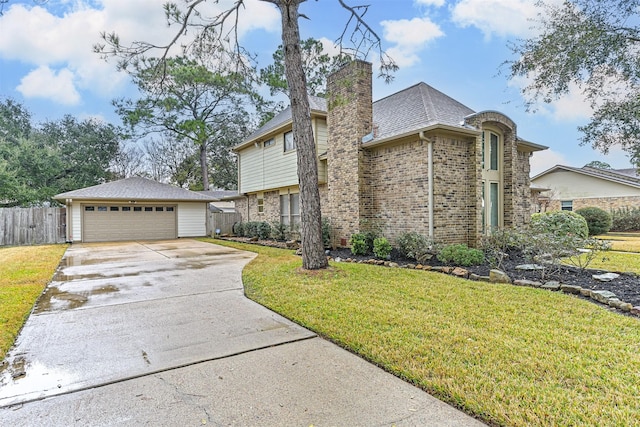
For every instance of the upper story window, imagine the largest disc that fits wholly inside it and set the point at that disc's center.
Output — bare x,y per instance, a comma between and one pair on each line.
289,143
566,205
268,143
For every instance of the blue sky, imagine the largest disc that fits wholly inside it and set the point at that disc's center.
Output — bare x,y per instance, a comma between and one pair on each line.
47,63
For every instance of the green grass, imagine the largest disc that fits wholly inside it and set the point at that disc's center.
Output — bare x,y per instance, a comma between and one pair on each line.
624,242
24,273
508,355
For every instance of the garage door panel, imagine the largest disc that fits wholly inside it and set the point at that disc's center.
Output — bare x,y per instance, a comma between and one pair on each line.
103,223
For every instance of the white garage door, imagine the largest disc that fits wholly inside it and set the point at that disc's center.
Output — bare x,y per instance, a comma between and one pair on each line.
107,223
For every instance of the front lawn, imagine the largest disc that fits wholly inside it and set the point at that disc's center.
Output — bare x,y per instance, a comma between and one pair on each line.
624,242
24,273
508,355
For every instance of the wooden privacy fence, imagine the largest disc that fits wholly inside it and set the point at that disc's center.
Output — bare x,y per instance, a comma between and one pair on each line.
223,221
32,226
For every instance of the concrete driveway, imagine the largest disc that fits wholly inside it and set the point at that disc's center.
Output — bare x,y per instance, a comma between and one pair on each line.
160,333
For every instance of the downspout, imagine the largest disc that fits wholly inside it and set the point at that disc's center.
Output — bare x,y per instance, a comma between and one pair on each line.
430,177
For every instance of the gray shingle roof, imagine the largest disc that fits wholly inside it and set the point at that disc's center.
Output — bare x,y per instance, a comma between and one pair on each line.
134,188
415,108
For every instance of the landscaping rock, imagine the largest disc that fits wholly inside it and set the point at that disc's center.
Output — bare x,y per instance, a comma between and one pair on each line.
602,296
551,285
422,259
614,302
338,259
635,310
418,267
529,267
411,266
585,292
606,277
570,289
291,244
299,252
626,307
460,272
499,276
393,265
525,282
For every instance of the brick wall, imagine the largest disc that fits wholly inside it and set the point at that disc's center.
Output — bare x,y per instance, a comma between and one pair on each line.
605,203
349,118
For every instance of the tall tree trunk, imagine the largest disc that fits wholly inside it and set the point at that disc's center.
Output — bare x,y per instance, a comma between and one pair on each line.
313,256
204,168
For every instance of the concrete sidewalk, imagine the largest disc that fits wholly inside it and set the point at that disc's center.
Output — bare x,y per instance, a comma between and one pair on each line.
160,333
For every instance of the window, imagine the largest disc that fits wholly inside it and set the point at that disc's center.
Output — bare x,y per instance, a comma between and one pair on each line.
493,152
566,205
260,204
148,209
137,208
89,208
290,209
114,208
159,209
126,208
268,143
289,143
169,208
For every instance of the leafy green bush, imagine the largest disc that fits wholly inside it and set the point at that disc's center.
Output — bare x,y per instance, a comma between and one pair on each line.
358,242
263,230
381,247
238,229
278,230
414,245
625,219
598,220
326,232
559,223
497,245
460,254
251,229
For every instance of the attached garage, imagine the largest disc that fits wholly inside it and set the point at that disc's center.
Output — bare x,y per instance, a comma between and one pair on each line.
134,209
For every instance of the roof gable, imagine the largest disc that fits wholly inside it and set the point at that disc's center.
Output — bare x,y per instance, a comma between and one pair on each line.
622,176
134,188
415,108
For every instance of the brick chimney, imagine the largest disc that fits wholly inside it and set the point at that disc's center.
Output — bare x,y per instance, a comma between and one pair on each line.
349,118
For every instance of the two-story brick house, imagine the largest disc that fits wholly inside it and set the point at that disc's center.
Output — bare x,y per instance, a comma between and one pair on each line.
416,160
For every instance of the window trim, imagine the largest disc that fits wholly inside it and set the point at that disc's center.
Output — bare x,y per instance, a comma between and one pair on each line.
269,143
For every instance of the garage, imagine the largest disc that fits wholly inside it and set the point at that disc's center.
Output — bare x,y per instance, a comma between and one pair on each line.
105,223
134,209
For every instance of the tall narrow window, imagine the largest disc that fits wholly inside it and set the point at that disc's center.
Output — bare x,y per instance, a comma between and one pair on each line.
290,209
284,210
493,151
289,143
260,204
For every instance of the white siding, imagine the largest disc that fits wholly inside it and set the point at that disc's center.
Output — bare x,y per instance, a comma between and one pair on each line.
270,168
568,185
76,223
192,219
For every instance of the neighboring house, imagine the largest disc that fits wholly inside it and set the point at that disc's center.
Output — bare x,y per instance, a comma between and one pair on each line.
574,188
416,160
134,209
222,200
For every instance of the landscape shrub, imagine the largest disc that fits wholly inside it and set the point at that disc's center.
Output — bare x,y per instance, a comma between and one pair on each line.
498,244
263,230
460,254
598,220
278,231
251,229
358,243
326,232
238,229
625,219
382,247
414,245
559,223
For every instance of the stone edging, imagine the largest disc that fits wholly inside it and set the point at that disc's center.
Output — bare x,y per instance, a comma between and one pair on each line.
498,276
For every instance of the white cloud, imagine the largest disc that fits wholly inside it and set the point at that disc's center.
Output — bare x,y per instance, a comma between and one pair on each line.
546,159
410,37
496,17
34,35
437,3
46,83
